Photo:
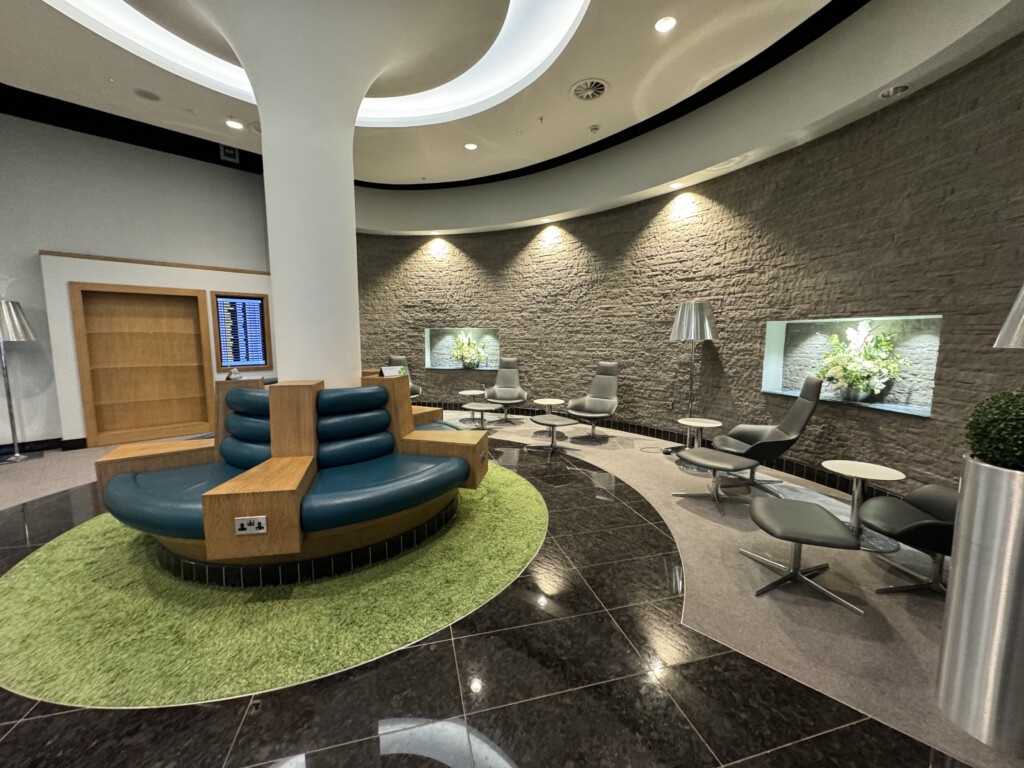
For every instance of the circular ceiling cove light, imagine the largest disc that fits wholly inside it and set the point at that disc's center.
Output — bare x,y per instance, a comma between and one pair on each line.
665,24
676,185
534,34
234,124
471,147
545,221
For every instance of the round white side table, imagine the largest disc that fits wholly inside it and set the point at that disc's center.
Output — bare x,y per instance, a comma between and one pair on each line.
697,426
473,394
858,472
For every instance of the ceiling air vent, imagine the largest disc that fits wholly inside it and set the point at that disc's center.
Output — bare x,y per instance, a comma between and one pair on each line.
589,89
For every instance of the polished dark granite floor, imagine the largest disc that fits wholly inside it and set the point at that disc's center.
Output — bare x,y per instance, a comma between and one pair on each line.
581,661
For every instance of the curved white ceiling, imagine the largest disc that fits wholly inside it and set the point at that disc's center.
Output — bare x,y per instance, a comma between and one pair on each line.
535,32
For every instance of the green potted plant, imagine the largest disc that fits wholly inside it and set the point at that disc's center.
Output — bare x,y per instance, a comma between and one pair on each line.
864,366
467,351
983,621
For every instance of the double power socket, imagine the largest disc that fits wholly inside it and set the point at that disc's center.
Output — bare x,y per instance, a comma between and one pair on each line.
250,526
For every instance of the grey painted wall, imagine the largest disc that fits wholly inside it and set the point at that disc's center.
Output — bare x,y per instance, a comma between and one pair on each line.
67,191
917,209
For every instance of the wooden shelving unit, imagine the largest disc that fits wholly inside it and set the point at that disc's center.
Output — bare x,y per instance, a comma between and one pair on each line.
143,361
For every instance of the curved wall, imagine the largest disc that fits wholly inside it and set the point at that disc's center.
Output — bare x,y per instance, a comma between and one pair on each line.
913,210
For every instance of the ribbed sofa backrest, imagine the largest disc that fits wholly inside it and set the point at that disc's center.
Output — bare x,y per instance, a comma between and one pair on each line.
248,426
352,426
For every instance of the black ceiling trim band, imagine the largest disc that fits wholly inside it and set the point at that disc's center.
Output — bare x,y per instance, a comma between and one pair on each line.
799,37
63,114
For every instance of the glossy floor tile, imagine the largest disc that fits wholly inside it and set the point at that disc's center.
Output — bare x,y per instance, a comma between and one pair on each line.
866,743
598,547
196,736
522,663
742,707
630,722
635,581
581,662
656,632
402,743
415,682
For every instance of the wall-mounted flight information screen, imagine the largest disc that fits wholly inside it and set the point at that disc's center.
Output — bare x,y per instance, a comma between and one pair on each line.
241,324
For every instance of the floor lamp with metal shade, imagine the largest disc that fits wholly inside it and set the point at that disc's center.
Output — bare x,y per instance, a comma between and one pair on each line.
1011,335
694,322
13,328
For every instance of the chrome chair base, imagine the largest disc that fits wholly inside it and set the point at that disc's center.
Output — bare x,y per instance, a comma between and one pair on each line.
554,447
932,584
793,572
715,494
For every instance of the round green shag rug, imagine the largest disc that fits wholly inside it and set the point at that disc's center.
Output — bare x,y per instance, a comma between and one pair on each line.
91,619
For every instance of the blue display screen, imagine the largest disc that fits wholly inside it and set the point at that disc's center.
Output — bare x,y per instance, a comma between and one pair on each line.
240,325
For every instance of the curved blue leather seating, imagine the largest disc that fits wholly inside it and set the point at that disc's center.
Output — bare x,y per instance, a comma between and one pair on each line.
438,426
360,476
169,502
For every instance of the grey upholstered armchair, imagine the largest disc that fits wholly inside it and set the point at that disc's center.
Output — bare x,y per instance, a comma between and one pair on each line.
766,442
506,390
415,390
602,399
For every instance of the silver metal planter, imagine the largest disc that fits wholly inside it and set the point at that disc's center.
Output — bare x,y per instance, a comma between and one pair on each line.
981,670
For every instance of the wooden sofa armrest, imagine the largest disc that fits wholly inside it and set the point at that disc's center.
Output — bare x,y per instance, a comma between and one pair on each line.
273,489
150,457
470,445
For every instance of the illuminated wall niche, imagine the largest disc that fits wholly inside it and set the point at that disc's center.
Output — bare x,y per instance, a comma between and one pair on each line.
793,350
440,343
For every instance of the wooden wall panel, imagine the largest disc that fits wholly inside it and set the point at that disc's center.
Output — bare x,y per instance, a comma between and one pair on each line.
143,361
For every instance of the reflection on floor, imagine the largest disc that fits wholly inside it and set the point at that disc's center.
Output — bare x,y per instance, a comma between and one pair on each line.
582,661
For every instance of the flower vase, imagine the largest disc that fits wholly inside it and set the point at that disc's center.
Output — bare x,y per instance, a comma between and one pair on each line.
853,395
470,364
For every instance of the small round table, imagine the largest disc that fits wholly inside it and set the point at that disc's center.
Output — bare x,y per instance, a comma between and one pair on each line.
547,402
552,422
858,472
482,408
698,426
474,394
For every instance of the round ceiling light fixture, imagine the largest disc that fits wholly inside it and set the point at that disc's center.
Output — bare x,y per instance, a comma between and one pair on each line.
589,89
534,34
545,221
234,124
676,185
471,146
665,24
896,90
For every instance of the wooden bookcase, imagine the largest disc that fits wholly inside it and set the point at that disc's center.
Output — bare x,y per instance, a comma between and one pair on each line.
144,361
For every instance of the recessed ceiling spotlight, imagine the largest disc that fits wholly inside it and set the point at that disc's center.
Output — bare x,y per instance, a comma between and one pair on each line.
233,124
471,147
435,232
142,93
665,24
896,90
675,185
545,221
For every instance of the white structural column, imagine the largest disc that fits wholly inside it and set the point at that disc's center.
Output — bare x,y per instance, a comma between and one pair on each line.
310,64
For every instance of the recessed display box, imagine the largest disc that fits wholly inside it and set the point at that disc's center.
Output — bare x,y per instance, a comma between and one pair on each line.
441,344
795,349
